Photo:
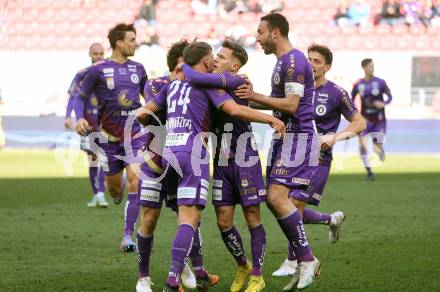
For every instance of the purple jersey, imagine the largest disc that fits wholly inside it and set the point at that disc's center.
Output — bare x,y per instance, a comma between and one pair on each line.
331,101
188,114
226,147
90,107
118,88
371,91
293,75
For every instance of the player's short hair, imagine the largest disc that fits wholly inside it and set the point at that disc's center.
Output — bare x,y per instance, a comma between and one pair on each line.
195,51
237,51
117,33
366,61
175,52
277,20
93,45
322,50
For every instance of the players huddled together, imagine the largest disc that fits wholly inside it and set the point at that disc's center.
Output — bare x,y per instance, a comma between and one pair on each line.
162,145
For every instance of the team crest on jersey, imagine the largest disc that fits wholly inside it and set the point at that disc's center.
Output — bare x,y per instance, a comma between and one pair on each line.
279,163
123,100
300,78
134,78
276,78
110,83
94,101
244,182
321,110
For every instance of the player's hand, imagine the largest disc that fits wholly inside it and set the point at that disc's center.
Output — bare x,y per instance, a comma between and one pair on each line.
379,104
82,127
245,77
141,116
278,126
245,91
327,141
68,124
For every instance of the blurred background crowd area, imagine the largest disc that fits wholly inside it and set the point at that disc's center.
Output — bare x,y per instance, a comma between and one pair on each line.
48,41
343,25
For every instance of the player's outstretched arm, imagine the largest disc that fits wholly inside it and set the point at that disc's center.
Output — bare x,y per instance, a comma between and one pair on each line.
247,114
145,111
225,80
68,123
357,125
82,126
288,104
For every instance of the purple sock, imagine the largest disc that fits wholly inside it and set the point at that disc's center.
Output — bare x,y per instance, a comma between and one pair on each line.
258,248
293,228
101,180
196,254
144,245
313,217
93,178
291,255
179,252
131,213
232,239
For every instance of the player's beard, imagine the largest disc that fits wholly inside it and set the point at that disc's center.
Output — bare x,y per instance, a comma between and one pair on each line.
269,47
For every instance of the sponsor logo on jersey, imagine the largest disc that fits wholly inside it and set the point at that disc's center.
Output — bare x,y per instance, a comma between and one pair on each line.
122,71
244,182
108,70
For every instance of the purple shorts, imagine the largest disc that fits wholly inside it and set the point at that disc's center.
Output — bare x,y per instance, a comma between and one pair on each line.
188,177
303,160
151,190
111,163
313,194
238,185
375,127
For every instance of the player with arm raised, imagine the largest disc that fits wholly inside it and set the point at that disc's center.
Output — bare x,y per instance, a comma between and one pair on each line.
96,174
233,182
189,119
330,103
371,90
293,160
152,192
118,83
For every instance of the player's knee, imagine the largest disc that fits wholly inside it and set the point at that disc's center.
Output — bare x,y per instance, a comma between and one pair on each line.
252,216
114,190
273,201
149,219
224,224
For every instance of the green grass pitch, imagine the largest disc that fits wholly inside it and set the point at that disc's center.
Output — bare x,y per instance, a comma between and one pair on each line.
50,240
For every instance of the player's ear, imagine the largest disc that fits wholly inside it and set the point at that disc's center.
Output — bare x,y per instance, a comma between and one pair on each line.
328,67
